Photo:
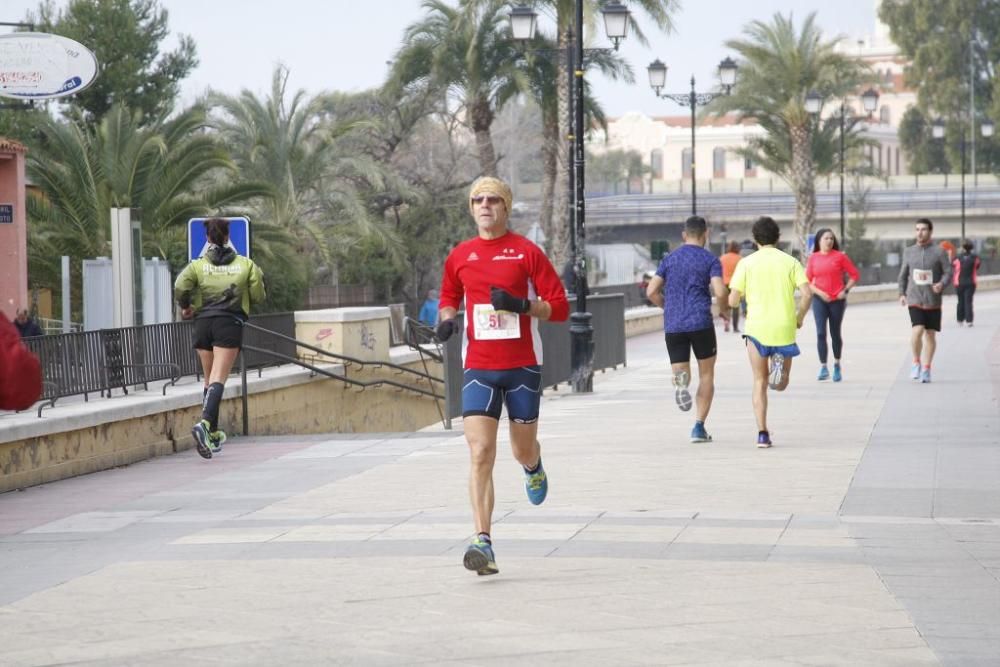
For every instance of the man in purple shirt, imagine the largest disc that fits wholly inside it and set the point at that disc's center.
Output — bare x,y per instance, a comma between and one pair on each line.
681,288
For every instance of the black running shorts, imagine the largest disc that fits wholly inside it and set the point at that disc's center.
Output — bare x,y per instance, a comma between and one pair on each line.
221,331
929,319
679,345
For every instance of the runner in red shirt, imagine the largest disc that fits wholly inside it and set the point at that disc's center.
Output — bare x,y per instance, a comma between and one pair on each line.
825,270
506,284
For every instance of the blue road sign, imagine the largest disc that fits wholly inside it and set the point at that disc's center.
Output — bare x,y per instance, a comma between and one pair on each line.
239,237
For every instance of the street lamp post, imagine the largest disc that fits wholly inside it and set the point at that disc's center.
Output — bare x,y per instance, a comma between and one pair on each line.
814,104
657,80
937,131
616,21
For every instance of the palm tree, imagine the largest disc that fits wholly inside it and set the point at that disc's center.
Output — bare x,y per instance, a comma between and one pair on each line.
465,52
298,145
779,67
169,170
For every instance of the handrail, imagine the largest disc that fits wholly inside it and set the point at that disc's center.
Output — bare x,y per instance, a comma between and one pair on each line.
341,357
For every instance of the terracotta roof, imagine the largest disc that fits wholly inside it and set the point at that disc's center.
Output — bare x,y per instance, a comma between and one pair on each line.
11,145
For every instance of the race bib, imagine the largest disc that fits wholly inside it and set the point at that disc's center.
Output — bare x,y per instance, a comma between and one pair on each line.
491,324
922,277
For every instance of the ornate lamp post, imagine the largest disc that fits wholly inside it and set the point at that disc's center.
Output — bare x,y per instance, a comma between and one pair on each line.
616,21
814,104
658,79
937,131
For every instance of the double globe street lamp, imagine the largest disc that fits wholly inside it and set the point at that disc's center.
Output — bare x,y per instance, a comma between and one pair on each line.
523,22
937,131
814,104
658,79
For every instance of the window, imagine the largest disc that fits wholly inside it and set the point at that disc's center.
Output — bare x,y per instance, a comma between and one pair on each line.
686,163
719,163
749,168
884,115
656,162
897,161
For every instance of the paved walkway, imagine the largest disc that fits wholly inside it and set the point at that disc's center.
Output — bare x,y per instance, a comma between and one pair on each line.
870,533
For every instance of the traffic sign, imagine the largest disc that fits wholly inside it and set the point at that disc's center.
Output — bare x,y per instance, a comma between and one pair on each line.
239,236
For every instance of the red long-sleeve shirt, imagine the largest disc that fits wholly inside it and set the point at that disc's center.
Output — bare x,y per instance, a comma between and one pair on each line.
827,271
20,371
515,264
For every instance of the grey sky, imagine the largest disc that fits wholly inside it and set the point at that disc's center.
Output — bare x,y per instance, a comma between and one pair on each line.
344,44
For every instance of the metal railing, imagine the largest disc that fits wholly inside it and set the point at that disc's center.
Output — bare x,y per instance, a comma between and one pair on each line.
90,362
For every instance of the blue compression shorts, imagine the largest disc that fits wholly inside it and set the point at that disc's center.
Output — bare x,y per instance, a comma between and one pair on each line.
485,392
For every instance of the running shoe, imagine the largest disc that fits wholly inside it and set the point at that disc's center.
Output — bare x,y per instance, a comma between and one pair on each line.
777,370
824,373
837,377
925,376
681,394
915,372
536,484
479,558
699,434
219,439
203,441
763,440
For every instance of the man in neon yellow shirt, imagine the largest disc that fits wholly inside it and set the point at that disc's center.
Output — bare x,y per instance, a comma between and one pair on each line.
768,279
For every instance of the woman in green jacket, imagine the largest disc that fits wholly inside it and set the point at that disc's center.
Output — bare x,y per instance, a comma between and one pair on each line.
216,290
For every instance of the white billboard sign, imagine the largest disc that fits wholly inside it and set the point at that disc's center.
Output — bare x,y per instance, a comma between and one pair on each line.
40,66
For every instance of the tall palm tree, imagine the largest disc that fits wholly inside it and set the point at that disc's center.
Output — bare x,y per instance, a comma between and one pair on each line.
780,66
297,145
169,170
466,52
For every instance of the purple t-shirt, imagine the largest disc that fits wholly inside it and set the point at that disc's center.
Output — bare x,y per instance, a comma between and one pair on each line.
687,300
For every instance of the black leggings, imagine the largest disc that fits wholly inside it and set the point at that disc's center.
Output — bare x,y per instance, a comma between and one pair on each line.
834,313
965,294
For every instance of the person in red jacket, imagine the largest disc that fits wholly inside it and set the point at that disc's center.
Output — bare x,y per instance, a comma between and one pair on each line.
825,270
506,284
20,370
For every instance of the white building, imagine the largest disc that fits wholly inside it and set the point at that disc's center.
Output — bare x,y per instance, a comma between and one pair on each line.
665,141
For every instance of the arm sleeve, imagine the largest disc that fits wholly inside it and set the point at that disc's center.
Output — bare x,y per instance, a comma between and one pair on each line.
738,281
850,269
185,284
715,271
451,287
20,370
549,287
904,275
258,292
810,271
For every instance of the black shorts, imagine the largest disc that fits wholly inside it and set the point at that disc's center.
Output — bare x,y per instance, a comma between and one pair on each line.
212,332
929,319
679,345
485,392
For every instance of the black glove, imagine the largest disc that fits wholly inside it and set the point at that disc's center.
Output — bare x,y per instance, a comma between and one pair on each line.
503,300
445,329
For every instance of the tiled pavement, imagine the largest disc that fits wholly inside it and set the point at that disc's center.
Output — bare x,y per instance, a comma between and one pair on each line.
870,534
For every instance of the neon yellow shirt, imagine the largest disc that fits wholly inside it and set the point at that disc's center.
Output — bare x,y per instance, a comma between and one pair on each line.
767,280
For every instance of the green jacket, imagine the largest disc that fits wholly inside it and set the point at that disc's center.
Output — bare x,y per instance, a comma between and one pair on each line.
220,283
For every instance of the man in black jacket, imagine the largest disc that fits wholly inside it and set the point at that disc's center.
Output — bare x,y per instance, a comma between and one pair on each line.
26,326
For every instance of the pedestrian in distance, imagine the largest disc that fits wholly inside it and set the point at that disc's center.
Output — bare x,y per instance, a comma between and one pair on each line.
217,290
681,287
20,370
429,310
729,260
825,270
965,269
923,274
26,325
768,279
507,285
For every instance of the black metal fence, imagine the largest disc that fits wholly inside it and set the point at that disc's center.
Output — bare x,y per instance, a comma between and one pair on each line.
90,362
608,311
